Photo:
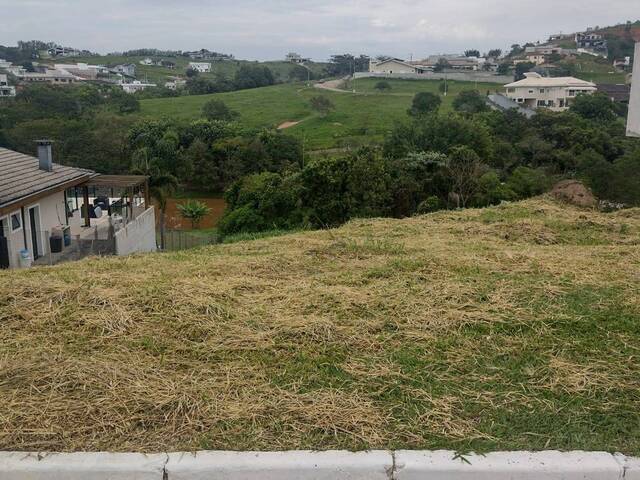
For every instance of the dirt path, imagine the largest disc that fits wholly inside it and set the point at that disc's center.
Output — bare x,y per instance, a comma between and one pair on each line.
285,125
332,85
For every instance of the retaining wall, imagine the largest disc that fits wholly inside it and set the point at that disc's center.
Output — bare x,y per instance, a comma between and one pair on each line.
331,465
139,235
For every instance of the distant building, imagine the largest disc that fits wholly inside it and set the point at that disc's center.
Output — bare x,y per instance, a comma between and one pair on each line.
633,121
83,70
4,63
146,61
204,54
55,77
455,62
64,52
295,58
200,67
590,42
622,63
618,93
136,86
175,84
557,94
168,64
128,69
6,90
391,66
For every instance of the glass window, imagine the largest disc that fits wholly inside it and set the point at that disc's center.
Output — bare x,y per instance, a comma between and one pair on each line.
16,222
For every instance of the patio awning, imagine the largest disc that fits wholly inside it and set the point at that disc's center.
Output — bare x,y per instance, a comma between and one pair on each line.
117,181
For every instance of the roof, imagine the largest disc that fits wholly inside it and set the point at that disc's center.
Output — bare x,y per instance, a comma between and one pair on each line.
395,60
117,181
536,80
20,177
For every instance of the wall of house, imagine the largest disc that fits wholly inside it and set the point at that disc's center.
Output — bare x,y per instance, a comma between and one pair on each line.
52,214
633,122
139,235
390,67
534,94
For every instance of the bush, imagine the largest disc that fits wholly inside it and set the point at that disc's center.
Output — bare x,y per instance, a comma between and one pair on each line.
431,204
527,182
424,103
383,86
218,110
470,101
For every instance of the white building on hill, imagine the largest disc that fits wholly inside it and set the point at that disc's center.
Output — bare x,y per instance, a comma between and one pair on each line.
136,86
200,67
536,91
6,90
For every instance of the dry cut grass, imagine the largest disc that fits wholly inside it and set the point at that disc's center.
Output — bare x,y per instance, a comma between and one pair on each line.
513,327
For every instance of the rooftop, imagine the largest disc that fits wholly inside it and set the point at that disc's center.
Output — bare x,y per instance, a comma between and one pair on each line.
21,177
536,80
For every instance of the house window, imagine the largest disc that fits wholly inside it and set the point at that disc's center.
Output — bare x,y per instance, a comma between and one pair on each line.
542,90
16,222
541,103
511,90
530,91
520,100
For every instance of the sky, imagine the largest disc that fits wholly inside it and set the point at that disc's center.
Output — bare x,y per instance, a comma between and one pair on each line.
268,29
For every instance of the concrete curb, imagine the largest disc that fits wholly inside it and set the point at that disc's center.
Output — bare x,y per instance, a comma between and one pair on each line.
307,465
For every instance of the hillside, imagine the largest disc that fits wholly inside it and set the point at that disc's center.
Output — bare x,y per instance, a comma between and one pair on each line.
513,327
358,118
281,70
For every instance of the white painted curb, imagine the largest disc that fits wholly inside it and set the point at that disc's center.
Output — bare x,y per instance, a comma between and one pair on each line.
373,465
446,465
331,465
81,466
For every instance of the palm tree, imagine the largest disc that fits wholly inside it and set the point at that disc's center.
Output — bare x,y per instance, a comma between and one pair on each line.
162,185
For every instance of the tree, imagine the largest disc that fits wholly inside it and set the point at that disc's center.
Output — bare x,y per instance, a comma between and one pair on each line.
594,107
472,53
504,68
322,105
441,65
465,170
191,72
470,101
494,53
383,86
424,103
195,211
522,68
218,110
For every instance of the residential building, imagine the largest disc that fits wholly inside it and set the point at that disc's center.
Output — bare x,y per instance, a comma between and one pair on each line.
592,43
6,90
455,62
554,93
171,65
618,93
64,52
204,54
633,121
56,77
15,70
128,69
136,86
295,58
146,61
201,67
83,70
4,63
175,84
51,213
392,65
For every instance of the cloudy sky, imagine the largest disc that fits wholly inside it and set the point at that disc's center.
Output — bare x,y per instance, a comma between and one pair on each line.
268,29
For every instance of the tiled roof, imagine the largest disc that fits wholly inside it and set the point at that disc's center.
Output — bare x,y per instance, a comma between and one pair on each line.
21,177
536,80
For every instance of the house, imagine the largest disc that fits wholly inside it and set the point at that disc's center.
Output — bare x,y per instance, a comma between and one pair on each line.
175,84
136,86
618,93
455,62
392,66
592,43
171,65
51,213
200,67
146,61
127,69
83,70
622,63
295,58
64,52
6,90
633,120
55,77
554,93
4,63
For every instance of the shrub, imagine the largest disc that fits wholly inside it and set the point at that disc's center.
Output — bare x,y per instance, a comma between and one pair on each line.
424,103
431,204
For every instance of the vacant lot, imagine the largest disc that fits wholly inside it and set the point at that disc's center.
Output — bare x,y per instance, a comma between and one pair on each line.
514,327
357,118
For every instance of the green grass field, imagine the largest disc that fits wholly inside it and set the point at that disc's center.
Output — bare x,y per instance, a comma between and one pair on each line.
358,118
509,328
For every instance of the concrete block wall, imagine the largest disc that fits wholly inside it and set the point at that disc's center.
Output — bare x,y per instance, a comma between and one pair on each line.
483,77
307,465
138,236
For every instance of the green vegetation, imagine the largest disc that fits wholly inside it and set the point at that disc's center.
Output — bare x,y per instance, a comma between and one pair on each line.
358,119
509,328
194,211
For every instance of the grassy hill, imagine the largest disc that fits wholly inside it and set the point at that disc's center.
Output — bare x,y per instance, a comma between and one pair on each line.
513,327
156,74
358,118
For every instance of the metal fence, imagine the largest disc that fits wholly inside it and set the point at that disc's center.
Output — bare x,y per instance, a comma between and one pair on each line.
55,247
181,240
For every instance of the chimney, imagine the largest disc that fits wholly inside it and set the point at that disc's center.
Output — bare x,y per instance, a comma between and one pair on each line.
45,157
